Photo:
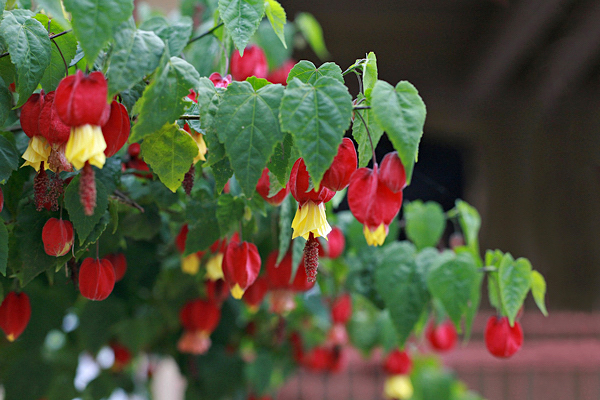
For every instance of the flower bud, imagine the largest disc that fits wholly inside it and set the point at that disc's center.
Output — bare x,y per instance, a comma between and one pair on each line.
252,63
96,278
119,263
441,337
116,129
81,100
501,339
263,188
337,177
15,312
241,265
392,172
57,236
397,363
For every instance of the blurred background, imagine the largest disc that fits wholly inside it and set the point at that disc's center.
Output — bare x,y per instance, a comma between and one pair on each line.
513,127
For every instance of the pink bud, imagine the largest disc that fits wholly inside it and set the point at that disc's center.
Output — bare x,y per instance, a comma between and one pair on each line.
220,81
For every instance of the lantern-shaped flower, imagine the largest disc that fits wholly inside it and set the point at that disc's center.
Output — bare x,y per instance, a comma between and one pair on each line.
53,129
398,385
57,236
116,130
216,291
214,265
335,244
96,278
281,285
263,187
220,81
397,362
119,263
280,74
15,312
199,319
241,265
255,294
373,203
441,337
337,177
38,149
190,264
252,63
501,339
392,173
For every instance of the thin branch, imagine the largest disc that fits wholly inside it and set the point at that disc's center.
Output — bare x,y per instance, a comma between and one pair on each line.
190,117
126,200
361,107
61,56
208,32
51,37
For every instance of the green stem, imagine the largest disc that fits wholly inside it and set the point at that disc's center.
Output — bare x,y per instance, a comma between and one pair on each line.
51,37
208,32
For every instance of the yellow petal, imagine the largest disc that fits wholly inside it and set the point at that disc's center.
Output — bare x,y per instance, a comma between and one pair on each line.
190,264
237,292
199,139
398,387
86,143
38,150
214,267
376,237
311,218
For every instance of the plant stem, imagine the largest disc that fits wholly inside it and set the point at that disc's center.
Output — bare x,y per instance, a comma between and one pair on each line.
208,32
190,117
61,56
51,37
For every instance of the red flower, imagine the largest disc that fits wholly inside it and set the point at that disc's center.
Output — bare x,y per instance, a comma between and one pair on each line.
280,74
441,337
337,177
373,203
57,236
216,291
255,294
501,339
30,114
279,276
341,309
50,125
335,244
263,188
119,263
96,278
252,63
15,312
122,356
241,265
200,315
220,81
392,172
116,129
397,363
81,100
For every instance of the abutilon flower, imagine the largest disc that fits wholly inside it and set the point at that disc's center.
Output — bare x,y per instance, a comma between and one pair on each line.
214,265
190,264
199,319
282,286
263,187
337,176
220,81
136,163
38,149
216,291
373,203
252,63
441,337
57,236
122,356
324,358
15,312
398,385
280,74
119,263
241,265
116,129
96,278
341,309
392,173
335,244
397,362
501,339
255,293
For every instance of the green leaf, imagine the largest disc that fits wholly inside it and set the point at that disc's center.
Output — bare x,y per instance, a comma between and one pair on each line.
95,21
222,172
369,74
170,153
175,35
313,33
286,215
93,237
29,49
241,18
400,112
470,222
258,372
456,283
136,54
317,117
538,290
230,211
9,158
142,225
277,18
68,46
249,127
82,223
359,132
514,279
362,327
53,9
307,72
425,223
204,225
402,288
5,102
3,247
280,162
276,53
163,100
257,83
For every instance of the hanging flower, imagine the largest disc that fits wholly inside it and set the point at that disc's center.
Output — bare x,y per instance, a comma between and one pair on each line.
96,278
252,63
15,312
501,339
280,74
241,265
337,176
254,295
441,337
281,284
57,236
199,319
220,81
398,365
119,263
116,130
263,187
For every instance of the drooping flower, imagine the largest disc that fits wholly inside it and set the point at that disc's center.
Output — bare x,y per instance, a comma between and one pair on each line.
341,309
335,244
15,312
220,81
119,263
199,319
216,291
57,236
501,339
337,176
190,264
241,265
96,278
280,74
373,204
397,363
116,130
441,337
392,173
254,295
252,63
281,285
263,187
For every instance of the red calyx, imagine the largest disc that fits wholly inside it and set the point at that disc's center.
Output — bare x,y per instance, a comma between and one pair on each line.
263,188
341,309
299,183
441,337
344,164
335,243
501,339
81,99
371,201
122,356
15,312
397,363
392,172
57,236
220,81
241,264
116,129
50,125
280,74
134,150
96,278
119,263
216,291
30,114
256,292
253,63
200,315
181,238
